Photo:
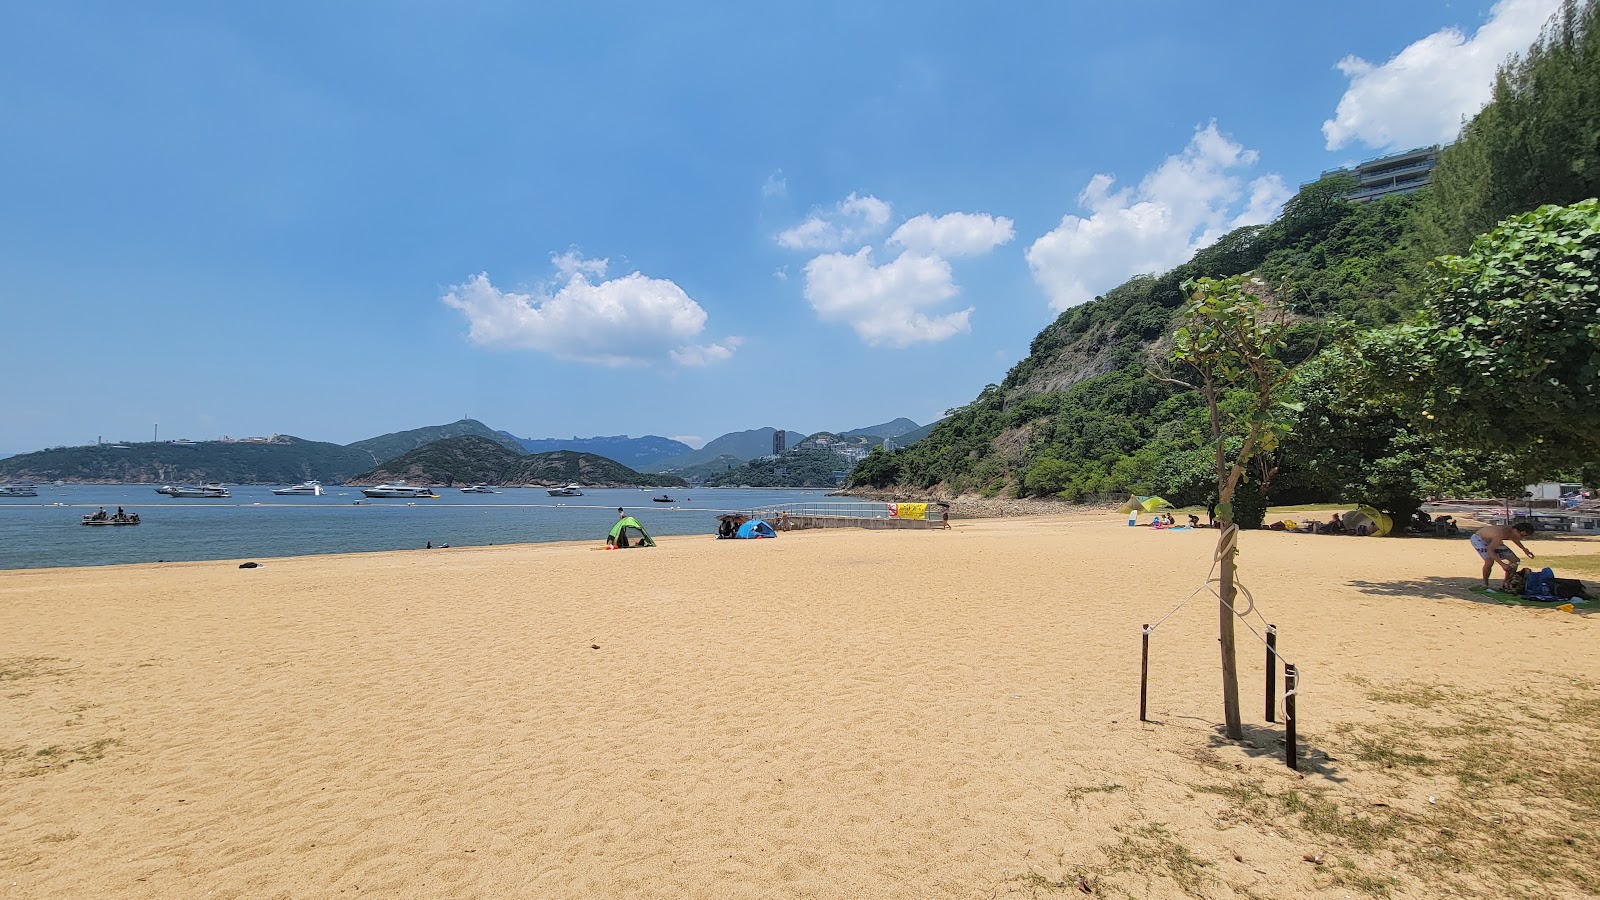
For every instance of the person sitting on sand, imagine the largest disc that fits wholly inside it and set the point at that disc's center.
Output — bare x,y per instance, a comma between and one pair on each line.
1490,542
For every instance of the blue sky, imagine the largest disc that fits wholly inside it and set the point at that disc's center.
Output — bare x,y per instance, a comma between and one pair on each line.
336,220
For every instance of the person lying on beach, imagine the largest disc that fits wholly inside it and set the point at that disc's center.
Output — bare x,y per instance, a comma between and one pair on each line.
1490,542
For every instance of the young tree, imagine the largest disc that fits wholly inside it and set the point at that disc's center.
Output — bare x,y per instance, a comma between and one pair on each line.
1230,341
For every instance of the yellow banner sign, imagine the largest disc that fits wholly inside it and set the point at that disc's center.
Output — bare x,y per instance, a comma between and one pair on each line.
908,510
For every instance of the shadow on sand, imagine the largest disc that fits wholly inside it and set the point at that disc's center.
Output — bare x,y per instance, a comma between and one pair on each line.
1436,587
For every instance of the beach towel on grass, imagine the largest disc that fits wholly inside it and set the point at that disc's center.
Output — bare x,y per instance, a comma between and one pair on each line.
1517,599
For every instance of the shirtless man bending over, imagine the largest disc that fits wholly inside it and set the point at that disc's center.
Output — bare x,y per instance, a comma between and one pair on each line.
1490,542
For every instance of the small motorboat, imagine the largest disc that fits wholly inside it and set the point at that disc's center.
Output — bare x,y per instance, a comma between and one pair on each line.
209,490
18,489
479,489
303,489
101,518
571,490
663,499
400,489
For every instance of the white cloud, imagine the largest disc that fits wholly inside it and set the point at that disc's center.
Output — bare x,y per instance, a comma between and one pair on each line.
573,263
705,354
852,220
885,304
1421,95
775,187
1187,202
633,320
953,234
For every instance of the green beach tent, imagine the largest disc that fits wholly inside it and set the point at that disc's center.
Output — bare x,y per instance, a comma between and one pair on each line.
1142,504
619,534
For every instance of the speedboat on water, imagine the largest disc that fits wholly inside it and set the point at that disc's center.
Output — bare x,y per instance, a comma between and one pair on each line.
571,490
303,489
400,490
117,518
210,490
479,489
663,499
18,489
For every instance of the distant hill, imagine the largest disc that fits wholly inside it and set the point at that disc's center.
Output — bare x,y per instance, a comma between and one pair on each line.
911,437
287,461
741,445
472,459
893,429
388,446
638,453
710,468
798,468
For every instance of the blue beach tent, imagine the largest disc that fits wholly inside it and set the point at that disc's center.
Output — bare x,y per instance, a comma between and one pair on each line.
755,528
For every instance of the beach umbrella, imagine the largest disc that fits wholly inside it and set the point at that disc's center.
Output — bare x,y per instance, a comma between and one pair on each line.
1142,504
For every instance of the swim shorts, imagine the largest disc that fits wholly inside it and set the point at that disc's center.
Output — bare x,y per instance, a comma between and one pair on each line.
1501,552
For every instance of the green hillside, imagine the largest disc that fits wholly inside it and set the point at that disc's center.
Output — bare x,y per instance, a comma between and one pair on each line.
797,468
287,461
1083,416
471,459
388,446
740,445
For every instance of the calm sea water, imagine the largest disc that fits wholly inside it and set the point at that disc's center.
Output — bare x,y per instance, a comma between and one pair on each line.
254,522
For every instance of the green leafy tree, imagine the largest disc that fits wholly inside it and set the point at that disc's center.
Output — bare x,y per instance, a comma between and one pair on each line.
1231,342
1350,444
1506,355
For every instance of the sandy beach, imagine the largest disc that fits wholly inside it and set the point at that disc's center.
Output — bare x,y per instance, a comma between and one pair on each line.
829,714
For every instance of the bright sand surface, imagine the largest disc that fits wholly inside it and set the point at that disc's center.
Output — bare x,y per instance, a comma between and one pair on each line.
830,714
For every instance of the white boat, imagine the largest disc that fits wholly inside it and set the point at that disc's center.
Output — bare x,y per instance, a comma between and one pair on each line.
303,489
479,489
18,489
399,489
210,489
571,490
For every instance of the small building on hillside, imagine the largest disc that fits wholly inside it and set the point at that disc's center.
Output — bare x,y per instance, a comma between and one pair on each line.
1397,173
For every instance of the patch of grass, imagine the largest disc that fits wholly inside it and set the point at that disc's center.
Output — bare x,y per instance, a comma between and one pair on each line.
1348,874
1152,848
1420,695
16,668
1075,795
1583,565
1389,757
54,758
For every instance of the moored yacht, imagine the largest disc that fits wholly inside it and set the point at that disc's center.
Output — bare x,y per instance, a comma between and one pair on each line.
401,490
303,489
18,489
479,489
209,490
571,490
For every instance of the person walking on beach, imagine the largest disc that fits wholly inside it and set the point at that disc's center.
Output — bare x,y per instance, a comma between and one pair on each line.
1490,542
620,514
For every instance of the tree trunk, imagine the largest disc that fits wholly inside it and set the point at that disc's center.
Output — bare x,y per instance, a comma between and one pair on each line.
1230,665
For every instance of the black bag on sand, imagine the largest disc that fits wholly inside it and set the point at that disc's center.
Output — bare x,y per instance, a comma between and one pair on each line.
1568,589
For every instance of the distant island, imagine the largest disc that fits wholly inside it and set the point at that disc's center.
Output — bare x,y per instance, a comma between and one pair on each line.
477,460
285,459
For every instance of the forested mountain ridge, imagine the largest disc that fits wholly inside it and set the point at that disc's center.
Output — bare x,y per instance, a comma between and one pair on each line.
388,446
284,461
472,459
